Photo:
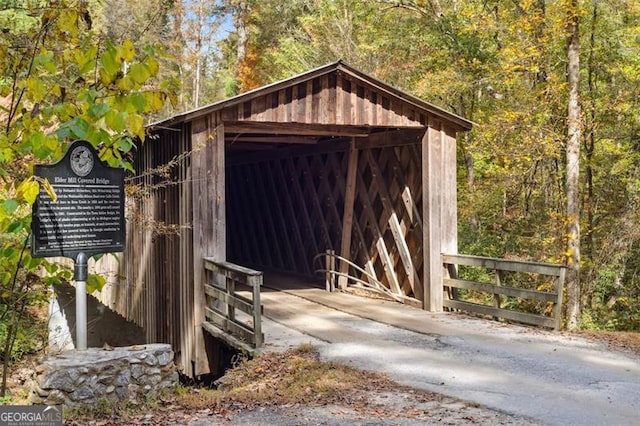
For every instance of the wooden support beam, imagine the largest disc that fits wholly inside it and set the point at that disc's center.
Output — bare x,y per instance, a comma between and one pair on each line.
392,137
449,192
290,214
359,235
347,216
310,187
431,216
278,208
304,211
209,223
328,200
369,212
275,128
394,225
337,145
242,138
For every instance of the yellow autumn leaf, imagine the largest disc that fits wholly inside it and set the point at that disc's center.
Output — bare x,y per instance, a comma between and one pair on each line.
29,190
50,190
127,51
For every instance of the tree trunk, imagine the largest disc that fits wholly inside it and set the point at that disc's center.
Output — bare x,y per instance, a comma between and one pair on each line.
589,147
198,51
573,169
241,29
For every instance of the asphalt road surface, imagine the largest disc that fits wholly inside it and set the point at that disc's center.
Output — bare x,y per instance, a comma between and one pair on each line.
549,378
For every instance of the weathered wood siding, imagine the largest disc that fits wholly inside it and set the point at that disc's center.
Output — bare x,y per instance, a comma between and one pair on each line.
208,228
336,98
151,283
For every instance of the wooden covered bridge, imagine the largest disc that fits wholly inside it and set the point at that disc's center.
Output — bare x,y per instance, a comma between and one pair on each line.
331,160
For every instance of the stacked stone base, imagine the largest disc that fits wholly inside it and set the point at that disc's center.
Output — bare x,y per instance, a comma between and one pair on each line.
130,374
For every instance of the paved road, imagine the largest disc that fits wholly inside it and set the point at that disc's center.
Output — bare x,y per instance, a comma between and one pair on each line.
547,377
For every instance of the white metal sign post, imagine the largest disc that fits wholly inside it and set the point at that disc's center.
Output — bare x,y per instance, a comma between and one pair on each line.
80,272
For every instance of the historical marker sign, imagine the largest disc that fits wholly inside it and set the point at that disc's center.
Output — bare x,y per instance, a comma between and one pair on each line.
88,215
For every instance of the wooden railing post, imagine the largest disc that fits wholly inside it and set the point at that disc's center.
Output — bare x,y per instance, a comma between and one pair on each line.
257,311
231,289
496,296
557,310
330,277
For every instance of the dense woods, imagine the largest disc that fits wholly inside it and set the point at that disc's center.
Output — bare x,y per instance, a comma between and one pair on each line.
550,173
59,81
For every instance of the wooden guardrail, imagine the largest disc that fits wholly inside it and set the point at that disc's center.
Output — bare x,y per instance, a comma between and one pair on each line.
241,331
497,289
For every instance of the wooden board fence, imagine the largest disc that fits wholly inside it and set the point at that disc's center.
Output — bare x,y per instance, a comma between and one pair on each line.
222,301
497,289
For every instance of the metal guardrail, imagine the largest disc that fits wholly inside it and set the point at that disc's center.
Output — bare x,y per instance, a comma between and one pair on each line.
222,301
497,288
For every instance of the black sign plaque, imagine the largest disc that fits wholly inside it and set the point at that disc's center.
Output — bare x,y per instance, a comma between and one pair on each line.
88,215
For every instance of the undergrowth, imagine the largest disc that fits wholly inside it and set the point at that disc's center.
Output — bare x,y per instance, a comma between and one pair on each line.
296,376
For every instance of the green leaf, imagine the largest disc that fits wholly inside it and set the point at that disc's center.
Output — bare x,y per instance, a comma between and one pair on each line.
98,110
115,120
78,128
15,227
10,206
124,145
110,65
5,278
45,60
106,155
95,283
42,146
137,100
152,65
128,166
51,268
86,59
154,101
36,89
139,73
31,262
125,83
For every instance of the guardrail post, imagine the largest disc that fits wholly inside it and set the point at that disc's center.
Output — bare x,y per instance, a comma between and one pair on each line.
330,278
557,311
231,290
257,311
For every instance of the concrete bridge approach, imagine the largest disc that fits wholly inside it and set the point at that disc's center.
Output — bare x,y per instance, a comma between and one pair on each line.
547,377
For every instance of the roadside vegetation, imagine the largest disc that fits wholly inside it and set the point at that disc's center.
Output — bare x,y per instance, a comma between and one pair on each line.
275,379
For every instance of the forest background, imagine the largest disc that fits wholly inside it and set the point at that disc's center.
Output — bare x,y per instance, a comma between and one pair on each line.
502,64
506,65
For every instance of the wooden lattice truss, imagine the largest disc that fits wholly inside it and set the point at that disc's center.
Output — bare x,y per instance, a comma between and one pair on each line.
285,210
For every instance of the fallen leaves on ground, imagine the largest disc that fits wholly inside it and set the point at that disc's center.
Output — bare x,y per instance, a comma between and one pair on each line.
288,379
621,340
